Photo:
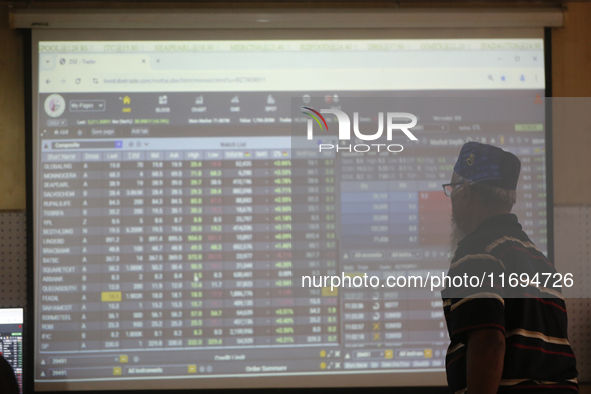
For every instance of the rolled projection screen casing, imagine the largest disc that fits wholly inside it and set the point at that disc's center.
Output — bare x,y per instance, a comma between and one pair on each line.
190,368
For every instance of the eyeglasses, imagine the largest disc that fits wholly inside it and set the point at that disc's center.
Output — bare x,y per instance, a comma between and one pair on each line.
448,188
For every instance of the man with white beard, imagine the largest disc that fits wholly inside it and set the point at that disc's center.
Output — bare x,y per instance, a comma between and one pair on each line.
503,338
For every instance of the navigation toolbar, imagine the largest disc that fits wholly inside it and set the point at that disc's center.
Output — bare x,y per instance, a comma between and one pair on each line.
133,110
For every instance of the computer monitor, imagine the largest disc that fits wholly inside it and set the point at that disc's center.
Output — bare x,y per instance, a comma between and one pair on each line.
11,340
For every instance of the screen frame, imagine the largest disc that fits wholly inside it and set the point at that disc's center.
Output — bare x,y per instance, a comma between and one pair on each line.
29,335
29,88
549,148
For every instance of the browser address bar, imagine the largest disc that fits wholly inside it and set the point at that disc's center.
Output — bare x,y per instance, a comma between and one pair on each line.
295,80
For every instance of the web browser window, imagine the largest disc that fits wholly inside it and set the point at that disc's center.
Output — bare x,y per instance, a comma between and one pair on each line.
179,204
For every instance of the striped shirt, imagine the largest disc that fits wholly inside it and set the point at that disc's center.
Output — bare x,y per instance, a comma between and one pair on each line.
533,318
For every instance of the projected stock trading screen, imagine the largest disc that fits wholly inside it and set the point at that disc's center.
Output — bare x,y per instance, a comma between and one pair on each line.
166,253
179,205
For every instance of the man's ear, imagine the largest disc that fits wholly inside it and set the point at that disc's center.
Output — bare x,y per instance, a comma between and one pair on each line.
473,199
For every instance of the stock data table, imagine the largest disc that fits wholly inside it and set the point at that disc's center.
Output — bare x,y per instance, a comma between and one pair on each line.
186,248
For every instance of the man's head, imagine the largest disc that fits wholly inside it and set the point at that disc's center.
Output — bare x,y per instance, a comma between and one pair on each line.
484,182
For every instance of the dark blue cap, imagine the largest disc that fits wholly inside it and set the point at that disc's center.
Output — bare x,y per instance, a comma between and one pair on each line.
487,164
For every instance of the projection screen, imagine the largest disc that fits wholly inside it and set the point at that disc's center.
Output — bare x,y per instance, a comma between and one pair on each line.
170,239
